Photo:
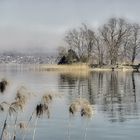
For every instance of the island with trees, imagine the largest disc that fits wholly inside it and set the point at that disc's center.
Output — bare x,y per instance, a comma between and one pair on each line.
114,45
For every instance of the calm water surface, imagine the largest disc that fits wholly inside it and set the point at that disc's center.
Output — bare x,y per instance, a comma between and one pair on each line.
115,97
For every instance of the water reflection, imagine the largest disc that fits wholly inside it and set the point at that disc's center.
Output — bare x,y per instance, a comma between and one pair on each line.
115,93
134,86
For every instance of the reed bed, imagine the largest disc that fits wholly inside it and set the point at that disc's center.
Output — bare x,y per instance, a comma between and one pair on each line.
82,107
41,109
65,68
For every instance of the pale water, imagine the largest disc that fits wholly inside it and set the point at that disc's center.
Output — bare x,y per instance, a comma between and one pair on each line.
115,97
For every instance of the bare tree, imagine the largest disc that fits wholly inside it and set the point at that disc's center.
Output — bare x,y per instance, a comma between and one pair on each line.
89,39
74,41
113,34
116,41
124,53
133,45
99,50
62,51
82,41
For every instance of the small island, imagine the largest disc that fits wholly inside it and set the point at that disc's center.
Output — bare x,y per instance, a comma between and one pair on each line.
115,45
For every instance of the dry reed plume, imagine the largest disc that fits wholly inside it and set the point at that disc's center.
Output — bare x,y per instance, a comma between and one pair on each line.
14,108
22,125
44,106
84,108
81,105
3,85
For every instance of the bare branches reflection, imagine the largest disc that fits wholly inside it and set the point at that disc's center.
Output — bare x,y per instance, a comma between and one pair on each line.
115,93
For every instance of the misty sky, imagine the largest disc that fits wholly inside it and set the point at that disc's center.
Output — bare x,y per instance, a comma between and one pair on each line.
43,23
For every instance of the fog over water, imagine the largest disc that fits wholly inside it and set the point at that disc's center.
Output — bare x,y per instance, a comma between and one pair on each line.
42,23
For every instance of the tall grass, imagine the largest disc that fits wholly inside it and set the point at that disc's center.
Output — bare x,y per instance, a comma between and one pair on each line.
84,109
13,109
79,106
66,68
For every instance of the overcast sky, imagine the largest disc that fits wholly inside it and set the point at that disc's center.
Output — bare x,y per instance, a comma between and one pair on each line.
43,23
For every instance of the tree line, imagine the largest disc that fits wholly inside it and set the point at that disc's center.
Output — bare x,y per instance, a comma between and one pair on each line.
117,41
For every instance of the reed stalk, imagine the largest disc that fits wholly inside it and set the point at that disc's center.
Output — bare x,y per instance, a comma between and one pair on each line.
35,128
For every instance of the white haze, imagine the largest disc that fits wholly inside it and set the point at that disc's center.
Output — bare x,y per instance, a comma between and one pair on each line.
42,23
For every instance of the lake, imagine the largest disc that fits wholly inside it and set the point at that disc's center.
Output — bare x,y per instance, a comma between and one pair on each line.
115,99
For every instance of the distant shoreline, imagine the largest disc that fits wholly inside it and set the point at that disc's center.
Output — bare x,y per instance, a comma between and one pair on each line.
66,68
83,67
